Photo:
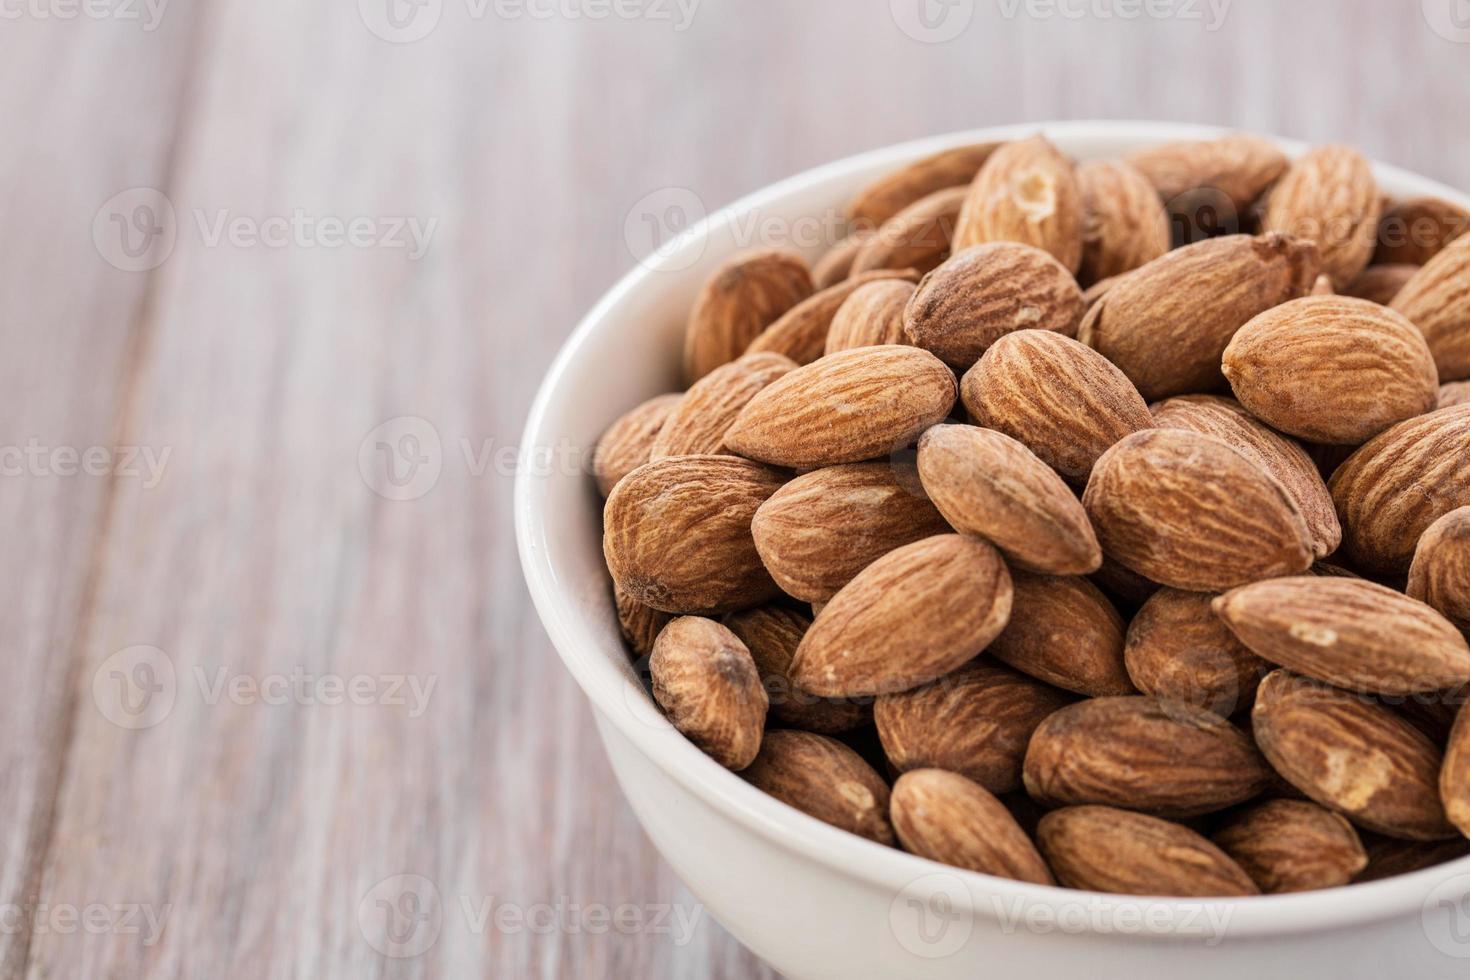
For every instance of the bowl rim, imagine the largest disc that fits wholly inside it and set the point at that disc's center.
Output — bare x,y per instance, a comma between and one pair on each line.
613,691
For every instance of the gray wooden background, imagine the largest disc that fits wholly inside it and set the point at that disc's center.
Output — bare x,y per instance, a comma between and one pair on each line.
251,696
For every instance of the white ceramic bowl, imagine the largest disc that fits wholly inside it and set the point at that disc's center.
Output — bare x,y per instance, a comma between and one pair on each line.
812,900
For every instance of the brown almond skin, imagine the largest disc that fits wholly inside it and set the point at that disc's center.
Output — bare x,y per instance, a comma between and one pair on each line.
639,624
1177,648
912,616
745,295
871,317
1103,849
988,484
676,534
704,677
836,264
1063,400
1380,283
818,531
823,778
1389,491
1065,632
1437,300
1188,510
1226,419
1348,632
1026,192
772,634
1329,196
986,291
1454,777
1238,166
628,442
947,818
801,332
1293,846
1414,231
1389,858
891,193
1166,324
1125,224
976,721
851,406
1454,393
918,237
697,425
1332,369
1142,753
1351,756
1440,572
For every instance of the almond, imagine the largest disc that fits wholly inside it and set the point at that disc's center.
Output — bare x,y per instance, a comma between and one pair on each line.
1026,192
1389,858
822,528
1188,510
1323,286
1332,369
1098,290
1389,491
1240,167
1293,846
912,616
1380,283
1064,401
986,483
801,332
771,634
1454,393
1437,300
1329,196
1142,753
824,779
639,624
871,317
745,295
676,534
1166,324
891,193
1065,632
1414,231
628,442
1440,573
1123,585
947,818
918,237
836,264
1351,756
704,678
985,292
1125,224
1179,649
698,423
1454,777
976,721
1102,849
851,406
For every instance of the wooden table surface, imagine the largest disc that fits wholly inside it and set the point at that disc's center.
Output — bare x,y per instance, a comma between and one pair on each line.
257,703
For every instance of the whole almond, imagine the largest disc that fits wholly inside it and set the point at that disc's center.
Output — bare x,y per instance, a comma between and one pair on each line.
986,291
697,425
824,779
822,528
1416,230
976,721
986,483
1348,632
891,193
1103,849
1293,846
1125,224
676,534
1389,491
871,317
910,617
918,237
772,634
1238,166
1437,300
845,408
1226,419
1380,283
628,442
1454,393
1188,510
947,818
639,624
1063,400
1454,777
1332,369
704,678
1026,192
1329,196
1142,753
1166,324
745,295
801,332
1178,649
836,264
1351,756
1440,573
1065,632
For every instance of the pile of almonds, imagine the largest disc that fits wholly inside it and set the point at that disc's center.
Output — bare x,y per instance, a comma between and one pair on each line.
1101,524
